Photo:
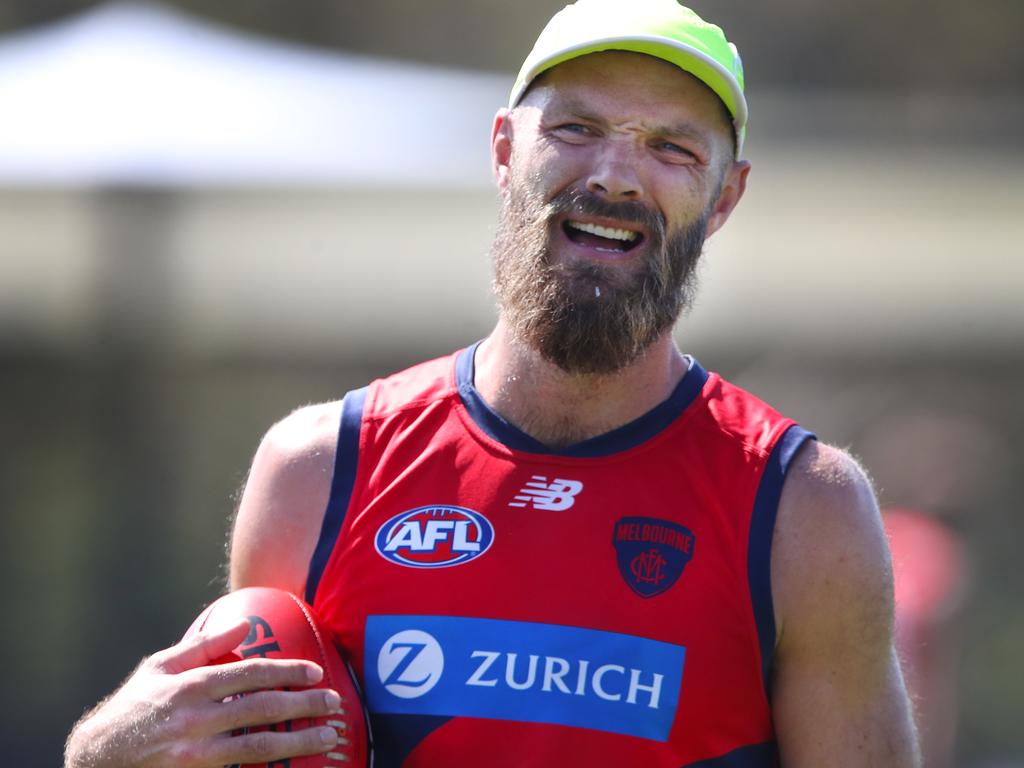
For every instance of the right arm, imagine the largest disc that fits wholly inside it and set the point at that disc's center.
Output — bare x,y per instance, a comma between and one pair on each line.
175,709
171,711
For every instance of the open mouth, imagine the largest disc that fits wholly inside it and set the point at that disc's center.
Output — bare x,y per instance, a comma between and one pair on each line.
607,239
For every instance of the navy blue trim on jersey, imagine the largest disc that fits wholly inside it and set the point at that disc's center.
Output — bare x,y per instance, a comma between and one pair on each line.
346,459
752,756
759,547
396,736
621,439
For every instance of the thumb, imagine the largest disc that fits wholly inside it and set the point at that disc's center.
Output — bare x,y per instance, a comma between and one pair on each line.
207,647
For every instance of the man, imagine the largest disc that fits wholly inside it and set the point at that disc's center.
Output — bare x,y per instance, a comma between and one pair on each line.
568,544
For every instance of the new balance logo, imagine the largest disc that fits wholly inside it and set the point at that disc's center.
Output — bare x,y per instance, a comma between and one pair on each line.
556,496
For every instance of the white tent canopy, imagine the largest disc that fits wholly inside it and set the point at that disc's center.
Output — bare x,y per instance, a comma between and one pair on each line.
832,245
140,94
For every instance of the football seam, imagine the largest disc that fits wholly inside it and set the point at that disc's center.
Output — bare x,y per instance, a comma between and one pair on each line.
316,636
326,667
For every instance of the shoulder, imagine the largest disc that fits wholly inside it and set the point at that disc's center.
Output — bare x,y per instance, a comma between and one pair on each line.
284,499
741,417
304,433
831,570
298,451
415,387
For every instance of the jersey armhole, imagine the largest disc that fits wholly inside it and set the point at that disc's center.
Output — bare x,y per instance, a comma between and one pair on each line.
762,529
346,461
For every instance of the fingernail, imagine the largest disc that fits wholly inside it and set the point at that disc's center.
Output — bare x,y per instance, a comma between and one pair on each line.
313,674
328,735
333,701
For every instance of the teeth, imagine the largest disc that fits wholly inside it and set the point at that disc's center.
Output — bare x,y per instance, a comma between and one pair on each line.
612,234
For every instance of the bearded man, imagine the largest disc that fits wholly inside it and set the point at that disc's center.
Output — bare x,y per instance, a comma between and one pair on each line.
568,543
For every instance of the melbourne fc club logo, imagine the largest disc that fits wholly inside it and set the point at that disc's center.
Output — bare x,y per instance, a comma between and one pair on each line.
434,537
651,553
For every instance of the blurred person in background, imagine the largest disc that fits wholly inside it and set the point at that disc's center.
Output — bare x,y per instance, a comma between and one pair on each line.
568,543
930,583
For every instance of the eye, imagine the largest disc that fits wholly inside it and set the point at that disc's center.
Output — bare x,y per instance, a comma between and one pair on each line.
672,148
673,153
571,131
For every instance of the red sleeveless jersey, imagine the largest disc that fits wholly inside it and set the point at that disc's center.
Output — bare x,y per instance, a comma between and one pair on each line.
504,604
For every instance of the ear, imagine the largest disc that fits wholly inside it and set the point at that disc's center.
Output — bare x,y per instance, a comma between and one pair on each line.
501,147
733,187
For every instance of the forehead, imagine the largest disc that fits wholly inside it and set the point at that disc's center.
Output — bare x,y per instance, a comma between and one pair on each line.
622,82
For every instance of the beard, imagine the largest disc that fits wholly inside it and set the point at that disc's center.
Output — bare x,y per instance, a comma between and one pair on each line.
585,317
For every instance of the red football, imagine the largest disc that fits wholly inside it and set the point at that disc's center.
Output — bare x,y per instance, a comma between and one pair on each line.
281,626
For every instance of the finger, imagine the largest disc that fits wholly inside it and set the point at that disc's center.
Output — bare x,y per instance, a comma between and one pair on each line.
202,649
258,675
270,746
269,707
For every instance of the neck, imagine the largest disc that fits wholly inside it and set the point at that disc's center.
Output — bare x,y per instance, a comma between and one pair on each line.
559,408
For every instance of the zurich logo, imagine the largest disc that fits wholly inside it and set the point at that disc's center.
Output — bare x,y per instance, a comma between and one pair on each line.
522,671
410,663
434,537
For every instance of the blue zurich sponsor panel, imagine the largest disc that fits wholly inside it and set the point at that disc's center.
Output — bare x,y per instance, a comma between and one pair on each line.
514,670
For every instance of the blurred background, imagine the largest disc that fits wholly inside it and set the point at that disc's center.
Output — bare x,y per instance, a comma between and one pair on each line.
212,213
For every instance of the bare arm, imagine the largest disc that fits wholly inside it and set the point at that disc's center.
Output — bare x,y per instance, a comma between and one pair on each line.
838,696
172,710
284,501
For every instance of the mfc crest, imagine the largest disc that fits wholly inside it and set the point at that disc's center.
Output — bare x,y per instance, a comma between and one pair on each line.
651,553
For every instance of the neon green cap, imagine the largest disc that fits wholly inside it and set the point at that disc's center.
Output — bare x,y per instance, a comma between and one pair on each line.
660,28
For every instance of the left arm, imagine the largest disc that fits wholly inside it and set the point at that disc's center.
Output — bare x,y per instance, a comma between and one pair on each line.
838,697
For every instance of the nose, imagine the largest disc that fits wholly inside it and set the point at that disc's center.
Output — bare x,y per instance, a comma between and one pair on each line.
615,176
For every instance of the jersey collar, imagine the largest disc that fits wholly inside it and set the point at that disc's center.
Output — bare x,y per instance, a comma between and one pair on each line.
621,439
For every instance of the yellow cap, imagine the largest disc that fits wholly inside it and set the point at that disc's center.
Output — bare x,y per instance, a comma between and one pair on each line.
660,28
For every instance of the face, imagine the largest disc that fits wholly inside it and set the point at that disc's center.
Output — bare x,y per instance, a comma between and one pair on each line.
613,170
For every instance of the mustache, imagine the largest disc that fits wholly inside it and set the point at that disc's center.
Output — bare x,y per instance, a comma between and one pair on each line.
580,201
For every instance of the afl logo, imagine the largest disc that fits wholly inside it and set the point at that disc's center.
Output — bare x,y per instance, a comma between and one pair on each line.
434,537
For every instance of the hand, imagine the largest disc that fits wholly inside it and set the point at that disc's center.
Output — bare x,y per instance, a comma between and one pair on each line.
172,710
